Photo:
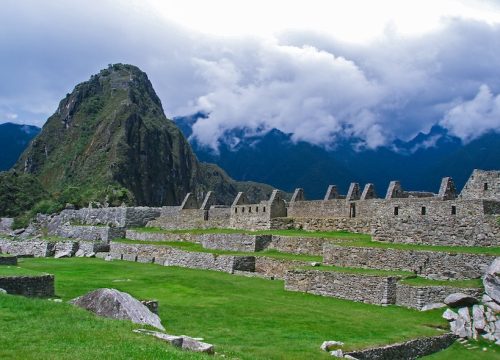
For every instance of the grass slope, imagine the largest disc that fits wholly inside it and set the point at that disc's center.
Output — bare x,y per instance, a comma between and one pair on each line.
247,318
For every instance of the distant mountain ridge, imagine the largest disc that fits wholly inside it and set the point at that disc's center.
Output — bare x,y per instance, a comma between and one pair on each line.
14,138
419,164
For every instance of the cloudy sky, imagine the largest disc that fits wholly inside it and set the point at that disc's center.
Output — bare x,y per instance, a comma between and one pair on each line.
322,70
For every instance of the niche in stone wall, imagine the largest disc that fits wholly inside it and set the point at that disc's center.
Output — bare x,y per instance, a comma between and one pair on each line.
453,210
485,186
423,210
396,210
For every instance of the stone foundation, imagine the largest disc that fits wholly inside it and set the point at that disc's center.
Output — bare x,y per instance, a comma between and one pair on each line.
8,260
276,268
33,286
90,232
431,264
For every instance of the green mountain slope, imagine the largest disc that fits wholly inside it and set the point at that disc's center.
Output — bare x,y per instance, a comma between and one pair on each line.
111,132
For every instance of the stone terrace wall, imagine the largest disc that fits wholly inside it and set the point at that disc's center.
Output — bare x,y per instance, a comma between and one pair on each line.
157,236
113,216
235,242
193,219
6,225
8,260
276,268
298,244
356,225
380,290
90,232
36,248
168,256
436,265
409,350
418,296
40,286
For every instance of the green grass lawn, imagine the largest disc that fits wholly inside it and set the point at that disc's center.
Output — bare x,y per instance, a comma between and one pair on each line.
419,281
246,318
10,270
195,247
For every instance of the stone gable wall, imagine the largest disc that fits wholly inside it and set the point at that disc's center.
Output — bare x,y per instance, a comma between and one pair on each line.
437,265
39,286
482,184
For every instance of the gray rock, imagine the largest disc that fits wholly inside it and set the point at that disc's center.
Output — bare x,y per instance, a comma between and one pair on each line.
3,291
314,263
450,315
328,345
466,329
192,344
18,231
171,339
478,317
491,280
90,255
62,254
115,304
80,253
433,306
108,258
349,357
337,353
460,299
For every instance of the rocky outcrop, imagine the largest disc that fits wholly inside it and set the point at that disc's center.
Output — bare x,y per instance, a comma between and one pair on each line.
183,341
115,304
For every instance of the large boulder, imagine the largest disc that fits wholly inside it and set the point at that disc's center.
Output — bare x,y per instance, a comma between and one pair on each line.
460,299
115,304
491,280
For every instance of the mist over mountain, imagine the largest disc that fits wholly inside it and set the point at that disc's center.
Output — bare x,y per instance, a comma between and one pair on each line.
419,164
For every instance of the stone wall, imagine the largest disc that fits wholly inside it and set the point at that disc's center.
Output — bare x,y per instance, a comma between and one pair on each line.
112,216
6,225
379,290
319,209
90,232
298,244
36,248
235,242
431,264
40,286
482,185
418,296
215,217
158,236
276,268
250,216
408,350
169,256
8,260
356,225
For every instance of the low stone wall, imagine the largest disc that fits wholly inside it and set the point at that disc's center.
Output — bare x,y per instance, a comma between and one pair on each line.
169,256
90,232
408,350
114,216
235,242
355,225
298,245
36,248
372,289
418,296
8,260
158,236
39,286
192,219
276,268
431,264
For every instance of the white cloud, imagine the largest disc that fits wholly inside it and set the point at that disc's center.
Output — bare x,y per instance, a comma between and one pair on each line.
473,118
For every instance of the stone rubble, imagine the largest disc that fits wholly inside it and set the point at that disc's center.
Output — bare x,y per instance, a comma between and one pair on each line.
184,342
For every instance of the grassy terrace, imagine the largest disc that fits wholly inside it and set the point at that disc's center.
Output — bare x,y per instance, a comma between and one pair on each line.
349,270
238,314
341,238
419,281
17,271
194,247
246,318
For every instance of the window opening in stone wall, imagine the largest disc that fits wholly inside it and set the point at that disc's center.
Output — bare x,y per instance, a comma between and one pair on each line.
235,210
396,210
249,209
453,210
485,186
264,209
242,209
424,210
256,209
352,211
